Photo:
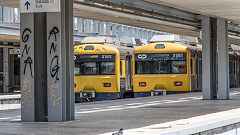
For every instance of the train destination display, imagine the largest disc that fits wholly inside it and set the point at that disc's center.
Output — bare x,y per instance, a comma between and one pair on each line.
160,56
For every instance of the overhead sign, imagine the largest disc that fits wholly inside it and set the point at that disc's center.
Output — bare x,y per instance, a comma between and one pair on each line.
34,6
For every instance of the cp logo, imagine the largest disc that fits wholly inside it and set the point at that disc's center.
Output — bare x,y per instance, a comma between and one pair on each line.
142,56
74,57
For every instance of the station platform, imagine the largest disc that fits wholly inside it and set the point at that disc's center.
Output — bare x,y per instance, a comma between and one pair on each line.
136,116
10,101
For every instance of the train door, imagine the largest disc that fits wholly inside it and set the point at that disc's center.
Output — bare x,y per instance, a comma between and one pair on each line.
198,72
129,73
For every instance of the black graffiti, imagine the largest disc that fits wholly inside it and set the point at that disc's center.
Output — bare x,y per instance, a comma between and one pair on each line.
25,49
54,32
25,37
54,68
53,47
29,62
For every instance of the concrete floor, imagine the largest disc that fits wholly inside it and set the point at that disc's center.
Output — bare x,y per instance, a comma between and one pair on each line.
108,116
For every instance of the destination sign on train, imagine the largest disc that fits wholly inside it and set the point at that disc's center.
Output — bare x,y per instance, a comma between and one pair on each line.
34,6
160,56
95,57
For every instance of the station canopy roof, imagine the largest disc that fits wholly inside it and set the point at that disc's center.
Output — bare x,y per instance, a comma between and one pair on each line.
229,9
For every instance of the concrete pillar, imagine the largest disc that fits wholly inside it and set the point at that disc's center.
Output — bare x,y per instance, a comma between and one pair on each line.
8,71
144,35
209,75
150,34
108,29
6,14
101,28
86,26
1,13
46,65
125,31
5,70
130,32
120,33
60,63
114,29
223,59
80,24
137,33
94,26
11,73
11,14
90,26
140,33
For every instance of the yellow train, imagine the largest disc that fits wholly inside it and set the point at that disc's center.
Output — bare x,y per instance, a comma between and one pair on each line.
106,71
172,66
102,70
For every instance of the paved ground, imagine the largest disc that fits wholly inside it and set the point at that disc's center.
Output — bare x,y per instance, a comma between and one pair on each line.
108,116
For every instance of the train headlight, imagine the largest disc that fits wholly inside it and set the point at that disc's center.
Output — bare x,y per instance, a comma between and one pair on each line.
107,84
178,83
142,84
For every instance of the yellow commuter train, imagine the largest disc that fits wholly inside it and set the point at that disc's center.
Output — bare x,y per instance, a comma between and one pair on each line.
102,70
166,67
172,67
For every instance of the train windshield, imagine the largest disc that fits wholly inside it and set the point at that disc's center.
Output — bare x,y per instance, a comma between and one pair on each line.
94,65
161,63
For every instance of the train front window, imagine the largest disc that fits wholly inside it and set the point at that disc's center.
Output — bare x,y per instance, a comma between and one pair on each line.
142,67
161,63
90,68
107,68
78,69
178,67
160,67
94,68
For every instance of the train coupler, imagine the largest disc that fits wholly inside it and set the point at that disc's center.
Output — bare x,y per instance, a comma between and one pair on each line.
88,95
158,92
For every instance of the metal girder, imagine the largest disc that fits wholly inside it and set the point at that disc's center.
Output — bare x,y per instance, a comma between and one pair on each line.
145,9
10,29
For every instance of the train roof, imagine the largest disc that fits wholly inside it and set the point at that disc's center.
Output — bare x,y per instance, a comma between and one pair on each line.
102,49
163,47
95,49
